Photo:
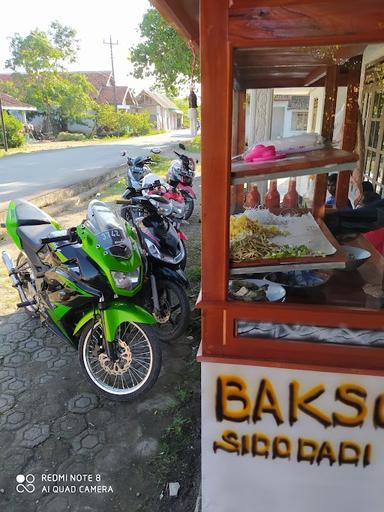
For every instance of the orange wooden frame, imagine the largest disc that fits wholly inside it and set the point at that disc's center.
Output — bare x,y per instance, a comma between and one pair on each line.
219,35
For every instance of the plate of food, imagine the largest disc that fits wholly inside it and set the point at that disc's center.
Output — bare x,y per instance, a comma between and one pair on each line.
256,290
299,278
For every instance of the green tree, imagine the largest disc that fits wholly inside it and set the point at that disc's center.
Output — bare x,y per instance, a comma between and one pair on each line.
183,105
40,78
14,131
162,53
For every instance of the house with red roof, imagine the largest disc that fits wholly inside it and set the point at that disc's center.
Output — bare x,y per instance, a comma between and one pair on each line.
16,107
107,92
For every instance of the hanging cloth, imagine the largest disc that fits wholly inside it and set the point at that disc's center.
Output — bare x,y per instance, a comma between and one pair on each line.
192,100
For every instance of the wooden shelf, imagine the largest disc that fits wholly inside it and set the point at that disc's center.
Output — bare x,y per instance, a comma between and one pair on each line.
319,161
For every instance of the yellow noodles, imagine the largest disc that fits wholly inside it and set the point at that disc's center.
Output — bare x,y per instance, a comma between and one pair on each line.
241,225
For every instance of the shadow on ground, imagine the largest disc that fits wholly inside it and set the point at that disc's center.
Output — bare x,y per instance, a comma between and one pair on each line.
53,423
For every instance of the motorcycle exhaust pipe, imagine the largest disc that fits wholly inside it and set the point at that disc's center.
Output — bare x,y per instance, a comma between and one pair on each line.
7,260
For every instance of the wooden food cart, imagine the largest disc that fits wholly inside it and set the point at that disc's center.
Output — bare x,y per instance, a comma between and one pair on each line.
292,392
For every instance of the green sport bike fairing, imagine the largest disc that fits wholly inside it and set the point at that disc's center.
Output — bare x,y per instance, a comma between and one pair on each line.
82,283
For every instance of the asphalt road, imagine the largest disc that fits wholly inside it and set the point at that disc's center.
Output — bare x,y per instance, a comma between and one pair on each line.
29,174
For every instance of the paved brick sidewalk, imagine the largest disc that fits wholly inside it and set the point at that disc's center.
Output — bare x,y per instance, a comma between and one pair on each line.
52,423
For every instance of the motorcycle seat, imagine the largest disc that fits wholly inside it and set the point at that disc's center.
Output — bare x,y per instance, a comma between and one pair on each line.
31,236
28,214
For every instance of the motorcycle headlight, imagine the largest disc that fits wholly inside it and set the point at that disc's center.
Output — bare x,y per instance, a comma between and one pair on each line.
178,209
127,280
152,249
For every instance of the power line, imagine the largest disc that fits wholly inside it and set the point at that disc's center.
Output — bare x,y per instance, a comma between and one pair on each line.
113,68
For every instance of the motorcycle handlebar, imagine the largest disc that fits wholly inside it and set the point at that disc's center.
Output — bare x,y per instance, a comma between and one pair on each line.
61,238
124,201
69,235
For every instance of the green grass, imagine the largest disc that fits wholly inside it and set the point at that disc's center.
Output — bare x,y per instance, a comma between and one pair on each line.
194,274
46,145
194,145
162,165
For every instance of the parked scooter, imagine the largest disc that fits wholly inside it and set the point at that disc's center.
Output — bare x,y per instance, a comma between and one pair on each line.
154,185
82,283
165,253
138,168
180,175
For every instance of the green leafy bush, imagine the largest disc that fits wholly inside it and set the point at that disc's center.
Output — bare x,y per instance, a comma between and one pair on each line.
63,136
14,129
112,123
136,124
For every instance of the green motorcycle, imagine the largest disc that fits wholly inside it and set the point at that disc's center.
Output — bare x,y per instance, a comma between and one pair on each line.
82,282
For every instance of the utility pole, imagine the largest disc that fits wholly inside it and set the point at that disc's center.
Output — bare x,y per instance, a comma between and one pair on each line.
113,68
5,141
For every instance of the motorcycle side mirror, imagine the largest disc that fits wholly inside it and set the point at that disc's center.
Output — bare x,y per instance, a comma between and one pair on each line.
123,153
155,151
181,146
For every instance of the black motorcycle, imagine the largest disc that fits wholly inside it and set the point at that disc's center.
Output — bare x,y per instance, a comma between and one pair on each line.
167,283
176,216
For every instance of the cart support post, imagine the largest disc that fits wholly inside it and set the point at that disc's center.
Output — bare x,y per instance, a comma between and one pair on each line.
240,146
350,129
327,132
216,77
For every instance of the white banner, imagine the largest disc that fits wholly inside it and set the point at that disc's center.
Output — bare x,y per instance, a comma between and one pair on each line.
277,440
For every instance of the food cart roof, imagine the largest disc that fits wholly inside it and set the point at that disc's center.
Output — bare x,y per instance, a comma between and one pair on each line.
287,43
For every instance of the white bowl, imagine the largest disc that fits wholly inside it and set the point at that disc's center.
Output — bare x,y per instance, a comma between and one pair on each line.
274,292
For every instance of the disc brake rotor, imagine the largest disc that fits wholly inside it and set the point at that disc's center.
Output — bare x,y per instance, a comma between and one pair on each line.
121,365
163,316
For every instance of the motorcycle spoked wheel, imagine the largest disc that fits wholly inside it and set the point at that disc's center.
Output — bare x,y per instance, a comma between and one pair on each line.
189,206
175,311
25,273
136,369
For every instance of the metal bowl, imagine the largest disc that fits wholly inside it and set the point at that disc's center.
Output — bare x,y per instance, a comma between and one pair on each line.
356,256
299,279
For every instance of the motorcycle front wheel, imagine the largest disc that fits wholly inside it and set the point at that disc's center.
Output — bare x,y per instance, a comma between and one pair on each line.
134,371
189,206
174,316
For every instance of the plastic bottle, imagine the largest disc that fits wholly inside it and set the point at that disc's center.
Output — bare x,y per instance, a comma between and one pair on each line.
272,197
291,198
252,198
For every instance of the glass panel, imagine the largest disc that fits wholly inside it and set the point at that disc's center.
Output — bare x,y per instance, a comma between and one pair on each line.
373,134
377,105
299,121
381,168
313,333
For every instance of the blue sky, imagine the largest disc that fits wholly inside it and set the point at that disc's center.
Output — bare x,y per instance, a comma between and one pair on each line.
93,21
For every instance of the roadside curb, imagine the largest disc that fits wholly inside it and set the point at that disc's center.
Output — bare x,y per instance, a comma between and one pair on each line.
53,196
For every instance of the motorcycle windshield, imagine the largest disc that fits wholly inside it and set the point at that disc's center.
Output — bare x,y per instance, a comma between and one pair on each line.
109,230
